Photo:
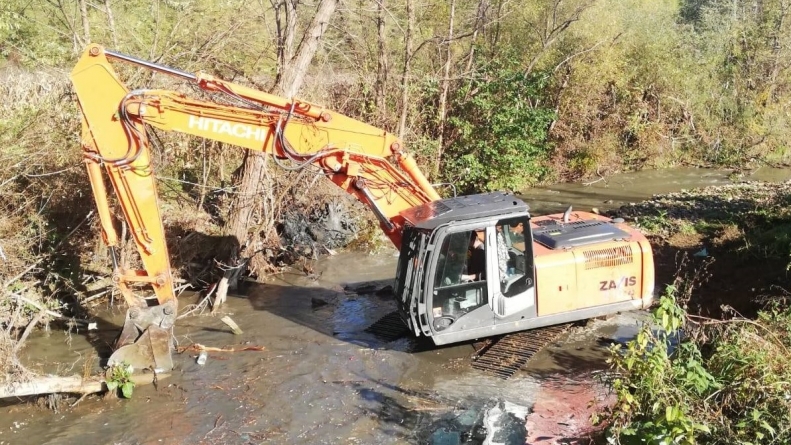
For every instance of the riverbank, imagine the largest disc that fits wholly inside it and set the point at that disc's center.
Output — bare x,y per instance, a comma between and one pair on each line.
722,264
726,249
732,240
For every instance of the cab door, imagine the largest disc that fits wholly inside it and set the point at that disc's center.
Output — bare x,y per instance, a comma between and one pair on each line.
514,296
458,291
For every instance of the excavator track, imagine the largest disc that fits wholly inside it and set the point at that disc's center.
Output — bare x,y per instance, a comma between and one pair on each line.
506,355
501,356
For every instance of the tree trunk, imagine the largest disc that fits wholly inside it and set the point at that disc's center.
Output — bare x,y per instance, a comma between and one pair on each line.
480,24
410,25
246,201
291,30
381,65
294,74
70,385
111,23
496,38
445,85
286,30
86,26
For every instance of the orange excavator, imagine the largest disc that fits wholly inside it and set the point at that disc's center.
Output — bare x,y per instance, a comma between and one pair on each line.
470,267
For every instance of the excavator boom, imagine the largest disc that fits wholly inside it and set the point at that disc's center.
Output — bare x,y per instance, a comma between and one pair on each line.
364,160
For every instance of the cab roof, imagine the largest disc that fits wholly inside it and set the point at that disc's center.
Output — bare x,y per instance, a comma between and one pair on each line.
433,214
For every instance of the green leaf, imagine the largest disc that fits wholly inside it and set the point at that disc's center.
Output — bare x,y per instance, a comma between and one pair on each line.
767,427
111,385
670,414
703,427
126,389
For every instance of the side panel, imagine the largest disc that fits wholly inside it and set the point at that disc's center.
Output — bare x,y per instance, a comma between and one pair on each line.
589,276
556,282
609,273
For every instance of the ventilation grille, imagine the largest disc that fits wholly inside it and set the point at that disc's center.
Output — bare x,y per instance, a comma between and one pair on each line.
554,222
614,256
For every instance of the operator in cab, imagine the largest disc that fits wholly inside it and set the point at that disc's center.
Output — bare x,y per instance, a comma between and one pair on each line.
476,258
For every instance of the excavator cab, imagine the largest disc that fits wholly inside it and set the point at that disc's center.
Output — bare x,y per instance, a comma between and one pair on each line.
466,266
478,266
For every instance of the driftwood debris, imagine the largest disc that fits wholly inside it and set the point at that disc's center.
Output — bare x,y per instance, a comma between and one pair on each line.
197,347
41,385
231,324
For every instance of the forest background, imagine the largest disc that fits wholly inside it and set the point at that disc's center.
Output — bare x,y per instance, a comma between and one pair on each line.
488,94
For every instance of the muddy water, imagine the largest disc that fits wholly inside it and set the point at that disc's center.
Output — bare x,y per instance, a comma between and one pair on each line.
321,378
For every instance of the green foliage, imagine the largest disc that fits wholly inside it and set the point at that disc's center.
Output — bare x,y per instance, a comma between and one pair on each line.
656,224
653,390
119,377
683,383
499,133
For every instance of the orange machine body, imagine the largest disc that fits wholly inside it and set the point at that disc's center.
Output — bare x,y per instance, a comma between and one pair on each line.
610,272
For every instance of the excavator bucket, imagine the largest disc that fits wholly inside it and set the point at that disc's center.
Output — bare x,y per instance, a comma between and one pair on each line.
145,341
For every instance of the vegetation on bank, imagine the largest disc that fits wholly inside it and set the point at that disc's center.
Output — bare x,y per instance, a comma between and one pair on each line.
692,380
688,378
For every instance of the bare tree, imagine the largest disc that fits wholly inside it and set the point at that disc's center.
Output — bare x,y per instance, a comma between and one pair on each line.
286,28
294,73
381,61
111,23
478,27
253,177
408,41
445,86
86,26
553,23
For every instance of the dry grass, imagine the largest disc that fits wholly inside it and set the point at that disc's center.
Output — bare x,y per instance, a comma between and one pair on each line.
22,88
10,367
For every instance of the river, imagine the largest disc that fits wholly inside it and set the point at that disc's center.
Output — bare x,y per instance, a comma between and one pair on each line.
322,379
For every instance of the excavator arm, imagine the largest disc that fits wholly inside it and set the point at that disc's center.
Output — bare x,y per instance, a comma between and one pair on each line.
364,160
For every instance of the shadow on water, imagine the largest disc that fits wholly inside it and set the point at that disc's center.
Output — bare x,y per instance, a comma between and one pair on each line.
333,312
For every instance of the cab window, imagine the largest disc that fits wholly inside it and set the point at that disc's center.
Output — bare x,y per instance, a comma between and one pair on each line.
452,259
514,256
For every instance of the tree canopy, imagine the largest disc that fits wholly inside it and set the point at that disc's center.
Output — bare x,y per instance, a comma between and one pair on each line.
496,94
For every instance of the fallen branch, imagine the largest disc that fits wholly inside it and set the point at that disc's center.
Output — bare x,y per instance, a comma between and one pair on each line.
231,324
197,347
601,178
201,305
71,385
711,321
28,329
38,306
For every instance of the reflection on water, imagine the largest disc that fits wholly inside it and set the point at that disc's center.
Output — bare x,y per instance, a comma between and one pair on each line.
617,190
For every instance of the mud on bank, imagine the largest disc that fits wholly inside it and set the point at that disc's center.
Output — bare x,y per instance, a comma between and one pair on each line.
733,240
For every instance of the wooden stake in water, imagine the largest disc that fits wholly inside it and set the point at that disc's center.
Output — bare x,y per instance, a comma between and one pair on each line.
231,324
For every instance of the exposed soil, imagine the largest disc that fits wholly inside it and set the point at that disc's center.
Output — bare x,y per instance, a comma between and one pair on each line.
731,242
